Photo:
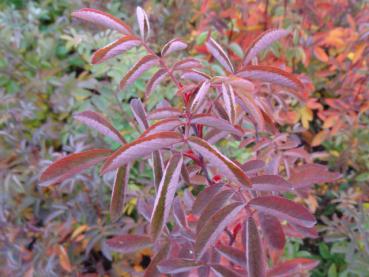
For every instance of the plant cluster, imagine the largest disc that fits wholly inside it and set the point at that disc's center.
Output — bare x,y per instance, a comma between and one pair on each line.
209,212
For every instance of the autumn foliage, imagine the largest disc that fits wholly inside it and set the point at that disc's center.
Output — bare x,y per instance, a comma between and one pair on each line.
196,138
241,212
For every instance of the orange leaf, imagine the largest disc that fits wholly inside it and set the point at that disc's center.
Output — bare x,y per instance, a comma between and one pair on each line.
320,54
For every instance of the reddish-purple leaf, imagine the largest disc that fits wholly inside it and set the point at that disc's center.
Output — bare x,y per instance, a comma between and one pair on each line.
271,74
152,270
139,148
262,42
225,166
165,195
168,124
304,231
144,207
97,122
71,165
293,267
253,165
248,104
139,113
200,96
157,163
221,271
254,251
217,51
233,254
118,193
138,69
283,209
307,175
272,231
179,213
163,113
215,226
214,205
215,122
103,19
195,76
155,81
115,48
204,197
143,23
177,265
240,84
128,243
229,102
185,64
173,46
270,183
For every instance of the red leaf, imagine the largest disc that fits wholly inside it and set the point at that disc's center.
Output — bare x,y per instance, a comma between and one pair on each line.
215,226
179,213
248,104
293,267
97,122
254,252
165,195
221,270
139,113
271,74
307,175
215,122
71,165
229,102
168,124
272,230
143,23
139,148
195,76
214,205
253,165
115,48
118,193
218,160
128,243
138,69
163,113
263,41
103,19
283,209
270,183
217,51
204,197
185,64
177,265
173,46
152,270
200,96
233,254
155,81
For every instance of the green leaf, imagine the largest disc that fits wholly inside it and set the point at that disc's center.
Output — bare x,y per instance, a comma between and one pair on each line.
324,251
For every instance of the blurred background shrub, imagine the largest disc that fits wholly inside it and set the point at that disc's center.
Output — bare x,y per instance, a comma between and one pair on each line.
46,76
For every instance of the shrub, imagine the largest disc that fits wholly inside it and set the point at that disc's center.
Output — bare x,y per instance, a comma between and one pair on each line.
206,212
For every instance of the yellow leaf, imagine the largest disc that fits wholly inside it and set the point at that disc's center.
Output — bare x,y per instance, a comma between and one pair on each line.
358,52
306,115
319,138
79,231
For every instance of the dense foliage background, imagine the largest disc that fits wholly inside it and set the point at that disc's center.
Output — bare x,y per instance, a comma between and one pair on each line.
46,76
